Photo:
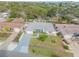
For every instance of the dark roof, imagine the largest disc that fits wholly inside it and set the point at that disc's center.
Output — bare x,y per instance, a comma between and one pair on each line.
40,25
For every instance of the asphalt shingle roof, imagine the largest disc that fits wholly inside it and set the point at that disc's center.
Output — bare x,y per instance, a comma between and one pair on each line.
40,25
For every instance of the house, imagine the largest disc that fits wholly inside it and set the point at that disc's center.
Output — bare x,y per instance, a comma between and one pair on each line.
67,30
76,19
3,16
41,26
15,25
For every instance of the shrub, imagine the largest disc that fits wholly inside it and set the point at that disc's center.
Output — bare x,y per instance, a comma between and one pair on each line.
33,50
10,19
60,35
66,47
42,36
6,29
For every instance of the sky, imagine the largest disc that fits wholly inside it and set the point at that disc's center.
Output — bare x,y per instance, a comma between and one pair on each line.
39,0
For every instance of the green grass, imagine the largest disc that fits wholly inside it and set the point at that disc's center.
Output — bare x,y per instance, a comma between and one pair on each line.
4,36
3,39
42,36
53,41
43,52
48,53
52,46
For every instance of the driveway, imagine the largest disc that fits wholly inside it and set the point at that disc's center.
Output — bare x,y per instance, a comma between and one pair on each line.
23,44
75,48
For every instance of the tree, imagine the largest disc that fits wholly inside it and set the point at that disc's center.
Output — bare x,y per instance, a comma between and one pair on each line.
6,29
10,19
66,47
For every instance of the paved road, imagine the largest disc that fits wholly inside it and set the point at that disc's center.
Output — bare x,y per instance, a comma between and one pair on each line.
23,44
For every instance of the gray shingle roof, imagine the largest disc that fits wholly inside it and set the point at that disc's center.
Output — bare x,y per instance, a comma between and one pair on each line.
40,25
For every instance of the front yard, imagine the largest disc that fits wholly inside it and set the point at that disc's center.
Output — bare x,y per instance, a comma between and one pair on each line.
49,46
4,36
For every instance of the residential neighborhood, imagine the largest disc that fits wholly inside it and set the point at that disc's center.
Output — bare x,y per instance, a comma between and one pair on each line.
39,29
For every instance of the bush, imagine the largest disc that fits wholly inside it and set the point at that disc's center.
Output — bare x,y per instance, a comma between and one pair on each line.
60,35
66,47
43,37
33,50
6,29
10,19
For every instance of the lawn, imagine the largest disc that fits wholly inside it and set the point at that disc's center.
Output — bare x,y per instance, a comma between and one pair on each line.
48,52
50,42
4,36
52,46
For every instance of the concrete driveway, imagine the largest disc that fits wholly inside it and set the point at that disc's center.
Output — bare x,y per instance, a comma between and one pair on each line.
75,48
23,44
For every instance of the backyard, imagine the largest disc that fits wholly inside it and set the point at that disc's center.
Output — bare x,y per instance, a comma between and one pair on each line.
48,45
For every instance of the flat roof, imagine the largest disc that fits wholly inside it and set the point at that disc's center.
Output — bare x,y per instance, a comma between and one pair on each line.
68,28
40,25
